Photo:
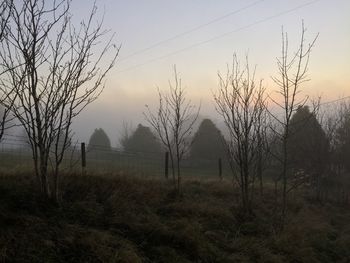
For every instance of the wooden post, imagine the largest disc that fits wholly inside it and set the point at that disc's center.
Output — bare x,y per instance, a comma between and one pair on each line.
83,159
220,169
166,165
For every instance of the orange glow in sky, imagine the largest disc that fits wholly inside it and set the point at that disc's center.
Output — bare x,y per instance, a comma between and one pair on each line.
199,37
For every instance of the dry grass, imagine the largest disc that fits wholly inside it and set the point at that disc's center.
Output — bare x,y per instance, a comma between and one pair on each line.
128,219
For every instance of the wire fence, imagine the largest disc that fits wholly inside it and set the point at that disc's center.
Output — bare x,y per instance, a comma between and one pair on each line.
16,156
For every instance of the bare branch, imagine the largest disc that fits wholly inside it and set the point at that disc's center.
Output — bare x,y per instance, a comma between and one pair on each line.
240,101
292,73
52,71
173,122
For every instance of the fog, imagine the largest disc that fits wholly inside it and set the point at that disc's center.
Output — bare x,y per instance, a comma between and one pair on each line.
174,131
153,38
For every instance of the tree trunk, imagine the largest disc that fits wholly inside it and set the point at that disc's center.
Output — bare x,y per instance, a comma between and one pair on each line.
45,183
173,167
259,171
178,177
55,194
284,178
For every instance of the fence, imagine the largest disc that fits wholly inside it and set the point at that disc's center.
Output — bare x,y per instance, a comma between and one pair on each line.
15,156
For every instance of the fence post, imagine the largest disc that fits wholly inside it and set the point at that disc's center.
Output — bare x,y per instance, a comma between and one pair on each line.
220,169
166,165
83,159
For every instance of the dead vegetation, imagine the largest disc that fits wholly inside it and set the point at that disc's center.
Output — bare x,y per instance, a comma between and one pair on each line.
128,219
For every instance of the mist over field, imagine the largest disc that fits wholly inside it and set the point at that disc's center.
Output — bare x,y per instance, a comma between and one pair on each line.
140,26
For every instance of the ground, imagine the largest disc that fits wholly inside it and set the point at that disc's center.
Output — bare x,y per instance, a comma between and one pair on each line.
111,218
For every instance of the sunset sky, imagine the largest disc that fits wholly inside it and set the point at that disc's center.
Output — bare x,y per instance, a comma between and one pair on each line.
200,37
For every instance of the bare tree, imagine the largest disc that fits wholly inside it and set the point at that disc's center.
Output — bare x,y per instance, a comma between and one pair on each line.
125,133
56,70
292,73
5,11
263,147
241,103
173,122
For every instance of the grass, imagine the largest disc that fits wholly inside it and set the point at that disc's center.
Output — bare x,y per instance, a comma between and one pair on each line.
129,219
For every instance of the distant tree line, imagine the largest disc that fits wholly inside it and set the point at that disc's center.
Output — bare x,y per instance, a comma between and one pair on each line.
207,142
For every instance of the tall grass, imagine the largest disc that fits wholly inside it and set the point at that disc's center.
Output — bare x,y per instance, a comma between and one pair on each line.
133,219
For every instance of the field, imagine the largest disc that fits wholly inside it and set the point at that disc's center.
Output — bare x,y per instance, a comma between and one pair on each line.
113,218
112,161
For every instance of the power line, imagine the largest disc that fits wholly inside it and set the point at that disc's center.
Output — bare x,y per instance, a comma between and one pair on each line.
334,101
331,101
221,35
191,30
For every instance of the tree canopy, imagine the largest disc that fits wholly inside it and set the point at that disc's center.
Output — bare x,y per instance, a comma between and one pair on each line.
208,142
342,138
308,143
99,140
142,140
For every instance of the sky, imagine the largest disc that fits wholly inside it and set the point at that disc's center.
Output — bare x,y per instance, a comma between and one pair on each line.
200,38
